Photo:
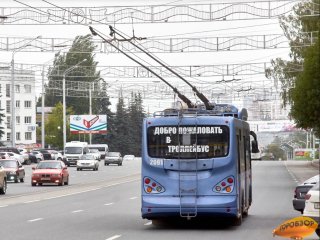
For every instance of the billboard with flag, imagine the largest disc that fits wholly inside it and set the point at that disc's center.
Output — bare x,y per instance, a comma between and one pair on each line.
96,124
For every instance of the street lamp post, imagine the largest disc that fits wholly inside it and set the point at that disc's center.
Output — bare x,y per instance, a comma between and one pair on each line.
13,112
64,101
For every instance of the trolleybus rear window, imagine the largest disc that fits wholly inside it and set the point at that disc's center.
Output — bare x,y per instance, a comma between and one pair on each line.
188,142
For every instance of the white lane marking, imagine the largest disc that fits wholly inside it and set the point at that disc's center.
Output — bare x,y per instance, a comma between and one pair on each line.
133,198
32,201
108,204
35,220
148,223
77,211
113,237
4,206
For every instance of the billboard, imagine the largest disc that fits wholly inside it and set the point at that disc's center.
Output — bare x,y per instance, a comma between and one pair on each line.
96,124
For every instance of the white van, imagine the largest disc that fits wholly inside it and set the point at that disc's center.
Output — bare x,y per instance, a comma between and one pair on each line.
103,149
74,150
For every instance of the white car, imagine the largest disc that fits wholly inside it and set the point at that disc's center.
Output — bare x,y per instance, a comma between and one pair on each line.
16,156
87,162
55,155
312,207
94,152
128,157
38,155
25,155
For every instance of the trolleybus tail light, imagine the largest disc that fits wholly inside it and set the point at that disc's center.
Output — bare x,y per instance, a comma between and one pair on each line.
224,186
151,186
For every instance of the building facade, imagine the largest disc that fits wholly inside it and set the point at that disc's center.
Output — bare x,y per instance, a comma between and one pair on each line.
25,106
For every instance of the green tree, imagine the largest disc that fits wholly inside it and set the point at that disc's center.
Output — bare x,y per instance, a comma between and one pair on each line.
54,126
295,85
82,48
135,118
274,151
119,138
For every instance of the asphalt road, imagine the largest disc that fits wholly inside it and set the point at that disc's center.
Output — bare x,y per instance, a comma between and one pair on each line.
106,205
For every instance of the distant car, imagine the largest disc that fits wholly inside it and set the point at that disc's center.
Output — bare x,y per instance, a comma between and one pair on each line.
94,152
50,171
128,157
38,156
24,153
12,155
46,154
14,169
300,192
88,162
113,158
3,180
312,205
55,155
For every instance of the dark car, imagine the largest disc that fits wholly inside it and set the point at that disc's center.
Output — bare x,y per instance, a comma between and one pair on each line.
46,154
300,192
113,158
14,169
9,149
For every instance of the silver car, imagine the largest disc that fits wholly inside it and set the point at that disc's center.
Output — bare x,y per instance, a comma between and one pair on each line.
113,158
87,162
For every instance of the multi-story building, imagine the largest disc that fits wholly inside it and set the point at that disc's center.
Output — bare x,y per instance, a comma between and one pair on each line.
25,106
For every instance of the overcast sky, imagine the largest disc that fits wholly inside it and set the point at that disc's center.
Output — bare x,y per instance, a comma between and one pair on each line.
203,29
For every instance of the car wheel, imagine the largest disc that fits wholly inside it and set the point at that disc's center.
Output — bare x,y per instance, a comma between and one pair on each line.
40,184
33,184
38,160
66,182
3,190
78,169
61,183
16,180
28,162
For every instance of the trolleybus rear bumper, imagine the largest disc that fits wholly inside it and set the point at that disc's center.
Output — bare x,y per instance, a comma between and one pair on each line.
157,207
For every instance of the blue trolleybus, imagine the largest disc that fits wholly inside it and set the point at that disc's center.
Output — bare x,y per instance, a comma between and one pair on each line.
196,162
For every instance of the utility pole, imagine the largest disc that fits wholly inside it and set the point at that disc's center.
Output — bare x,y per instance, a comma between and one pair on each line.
42,112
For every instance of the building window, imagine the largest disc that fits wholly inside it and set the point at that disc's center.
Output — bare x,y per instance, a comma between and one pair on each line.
8,106
8,136
27,104
8,122
17,88
27,119
7,90
27,136
17,120
18,136
18,104
27,88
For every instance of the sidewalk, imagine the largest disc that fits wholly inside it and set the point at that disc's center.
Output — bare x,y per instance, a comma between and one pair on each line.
316,163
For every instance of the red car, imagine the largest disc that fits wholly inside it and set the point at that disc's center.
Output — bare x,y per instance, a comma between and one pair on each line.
14,169
51,171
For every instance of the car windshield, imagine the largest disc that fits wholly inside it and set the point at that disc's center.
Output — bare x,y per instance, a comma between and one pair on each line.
87,157
73,150
35,152
94,150
8,164
49,165
113,154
